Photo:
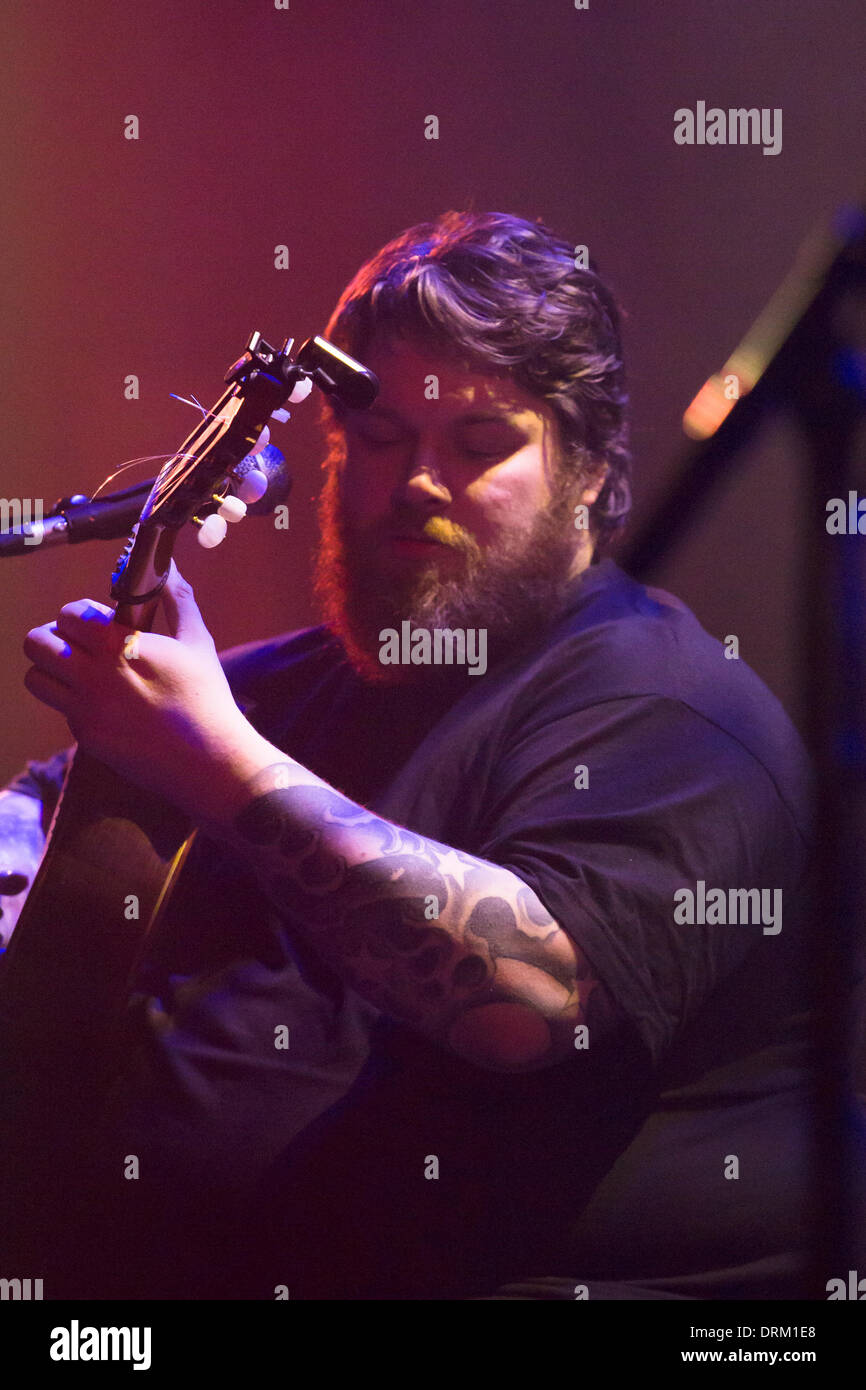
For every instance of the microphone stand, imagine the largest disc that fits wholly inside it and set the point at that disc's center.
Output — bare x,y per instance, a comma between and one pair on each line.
806,354
80,518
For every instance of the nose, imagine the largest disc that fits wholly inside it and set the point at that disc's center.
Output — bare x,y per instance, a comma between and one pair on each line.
423,480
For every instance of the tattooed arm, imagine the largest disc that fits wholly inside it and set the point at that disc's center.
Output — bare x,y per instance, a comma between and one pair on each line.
21,846
459,948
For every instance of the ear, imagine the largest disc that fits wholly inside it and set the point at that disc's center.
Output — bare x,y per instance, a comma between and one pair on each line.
595,479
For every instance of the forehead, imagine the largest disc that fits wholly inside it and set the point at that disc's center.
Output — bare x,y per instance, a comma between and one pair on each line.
404,367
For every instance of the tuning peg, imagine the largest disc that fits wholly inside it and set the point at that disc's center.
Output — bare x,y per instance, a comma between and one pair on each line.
252,486
232,508
262,442
211,531
301,390
281,416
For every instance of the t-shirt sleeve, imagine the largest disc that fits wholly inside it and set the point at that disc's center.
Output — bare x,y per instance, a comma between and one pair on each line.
608,811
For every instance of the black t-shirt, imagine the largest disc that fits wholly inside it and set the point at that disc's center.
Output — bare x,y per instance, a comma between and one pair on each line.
614,762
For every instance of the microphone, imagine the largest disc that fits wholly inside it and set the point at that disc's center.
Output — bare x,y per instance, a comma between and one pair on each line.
76,519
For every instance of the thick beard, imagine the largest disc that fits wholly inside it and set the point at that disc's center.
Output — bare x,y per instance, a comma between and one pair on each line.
514,589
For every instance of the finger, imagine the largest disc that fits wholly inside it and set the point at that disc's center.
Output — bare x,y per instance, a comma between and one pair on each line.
184,619
91,626
50,653
48,690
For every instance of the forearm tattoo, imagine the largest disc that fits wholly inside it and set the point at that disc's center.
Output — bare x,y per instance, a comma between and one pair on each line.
429,934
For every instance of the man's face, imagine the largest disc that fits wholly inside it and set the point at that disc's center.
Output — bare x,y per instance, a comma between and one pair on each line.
448,510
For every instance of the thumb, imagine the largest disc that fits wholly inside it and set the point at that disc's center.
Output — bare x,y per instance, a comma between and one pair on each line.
184,619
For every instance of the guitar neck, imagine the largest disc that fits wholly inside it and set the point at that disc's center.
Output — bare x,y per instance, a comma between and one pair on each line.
141,572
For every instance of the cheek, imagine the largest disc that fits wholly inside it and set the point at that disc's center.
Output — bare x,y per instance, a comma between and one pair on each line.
507,497
365,489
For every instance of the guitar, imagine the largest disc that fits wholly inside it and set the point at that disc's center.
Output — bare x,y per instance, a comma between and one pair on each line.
114,852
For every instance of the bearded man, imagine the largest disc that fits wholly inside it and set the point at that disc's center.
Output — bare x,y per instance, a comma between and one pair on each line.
512,1064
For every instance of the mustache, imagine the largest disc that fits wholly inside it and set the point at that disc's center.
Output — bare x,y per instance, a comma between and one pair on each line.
439,528
410,524
433,528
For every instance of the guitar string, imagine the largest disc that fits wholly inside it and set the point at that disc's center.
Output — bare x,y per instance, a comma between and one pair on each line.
154,458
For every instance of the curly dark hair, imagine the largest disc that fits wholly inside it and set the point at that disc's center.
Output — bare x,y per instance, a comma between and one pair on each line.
506,293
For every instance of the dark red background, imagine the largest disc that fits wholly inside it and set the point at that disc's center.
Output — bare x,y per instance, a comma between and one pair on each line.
306,127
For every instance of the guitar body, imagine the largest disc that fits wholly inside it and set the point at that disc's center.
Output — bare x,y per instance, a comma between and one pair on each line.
112,858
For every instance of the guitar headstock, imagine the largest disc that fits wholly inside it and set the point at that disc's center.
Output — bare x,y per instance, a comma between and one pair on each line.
258,384
200,477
